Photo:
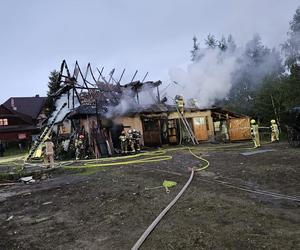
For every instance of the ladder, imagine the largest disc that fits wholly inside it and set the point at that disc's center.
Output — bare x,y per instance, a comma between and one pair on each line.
187,127
45,134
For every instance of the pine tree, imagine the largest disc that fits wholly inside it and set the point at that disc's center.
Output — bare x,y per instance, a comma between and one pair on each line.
269,99
291,47
222,44
257,64
54,83
53,87
195,50
292,89
211,41
231,44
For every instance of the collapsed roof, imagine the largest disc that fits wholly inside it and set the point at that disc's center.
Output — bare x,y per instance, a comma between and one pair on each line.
98,92
96,95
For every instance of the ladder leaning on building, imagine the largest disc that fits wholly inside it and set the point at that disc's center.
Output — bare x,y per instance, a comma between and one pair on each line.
187,127
45,134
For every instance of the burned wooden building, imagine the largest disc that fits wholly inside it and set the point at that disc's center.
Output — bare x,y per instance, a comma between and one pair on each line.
94,109
161,124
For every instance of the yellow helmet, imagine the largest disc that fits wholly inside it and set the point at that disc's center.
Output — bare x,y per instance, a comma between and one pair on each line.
273,121
252,121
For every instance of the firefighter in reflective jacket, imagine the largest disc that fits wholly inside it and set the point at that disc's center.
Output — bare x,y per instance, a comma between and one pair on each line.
123,142
180,103
131,141
255,134
136,138
274,131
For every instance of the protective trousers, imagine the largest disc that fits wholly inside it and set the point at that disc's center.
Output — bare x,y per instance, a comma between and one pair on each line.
274,133
49,158
255,136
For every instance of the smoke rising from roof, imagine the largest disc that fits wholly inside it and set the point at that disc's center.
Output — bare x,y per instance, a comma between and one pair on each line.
206,80
129,102
216,71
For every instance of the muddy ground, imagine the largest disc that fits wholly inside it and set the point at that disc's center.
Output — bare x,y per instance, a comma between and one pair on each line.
109,208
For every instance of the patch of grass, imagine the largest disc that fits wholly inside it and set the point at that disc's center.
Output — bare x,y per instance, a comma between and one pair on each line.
14,152
12,158
86,171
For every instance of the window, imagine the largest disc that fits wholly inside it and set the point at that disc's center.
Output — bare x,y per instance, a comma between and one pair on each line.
3,122
199,120
172,123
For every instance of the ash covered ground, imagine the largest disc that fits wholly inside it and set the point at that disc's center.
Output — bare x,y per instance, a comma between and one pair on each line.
109,208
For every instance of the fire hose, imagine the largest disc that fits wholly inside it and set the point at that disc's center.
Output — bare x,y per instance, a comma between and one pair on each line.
154,156
171,204
162,214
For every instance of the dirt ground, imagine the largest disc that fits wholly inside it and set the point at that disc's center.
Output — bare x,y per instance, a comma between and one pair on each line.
109,208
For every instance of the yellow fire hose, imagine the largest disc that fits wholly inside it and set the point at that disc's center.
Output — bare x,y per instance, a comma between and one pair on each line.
147,157
154,156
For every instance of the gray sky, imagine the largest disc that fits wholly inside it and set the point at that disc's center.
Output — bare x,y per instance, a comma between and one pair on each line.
153,35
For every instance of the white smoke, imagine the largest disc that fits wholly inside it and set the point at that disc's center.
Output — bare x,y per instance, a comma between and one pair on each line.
215,71
121,108
211,77
129,101
207,80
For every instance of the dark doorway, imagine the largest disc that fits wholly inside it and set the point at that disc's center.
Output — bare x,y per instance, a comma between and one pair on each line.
116,131
152,132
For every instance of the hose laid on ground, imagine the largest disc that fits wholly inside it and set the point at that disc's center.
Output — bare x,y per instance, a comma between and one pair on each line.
154,156
242,188
167,208
161,215
260,192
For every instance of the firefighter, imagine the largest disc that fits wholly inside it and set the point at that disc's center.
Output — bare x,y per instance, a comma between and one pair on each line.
136,139
123,139
49,153
180,103
130,141
255,133
224,131
274,131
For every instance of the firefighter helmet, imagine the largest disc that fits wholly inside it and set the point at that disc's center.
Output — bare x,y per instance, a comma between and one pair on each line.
273,121
252,121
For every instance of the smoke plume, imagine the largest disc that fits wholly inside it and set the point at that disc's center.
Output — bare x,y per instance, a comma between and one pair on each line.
129,102
216,71
206,80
